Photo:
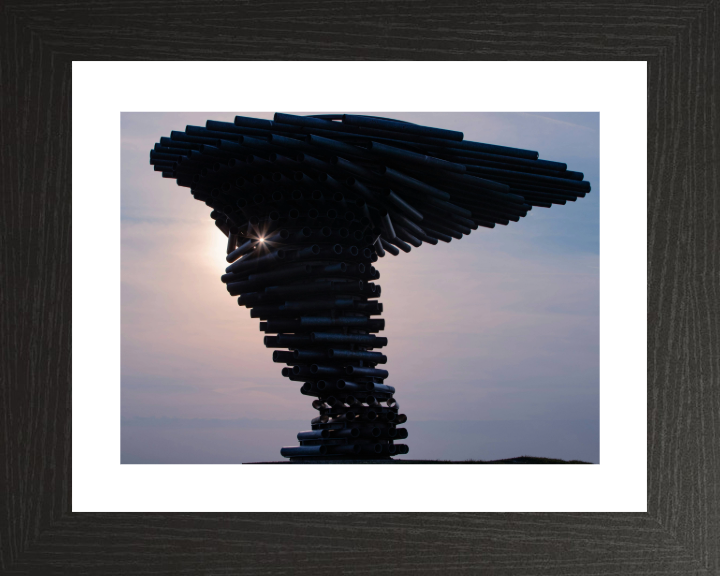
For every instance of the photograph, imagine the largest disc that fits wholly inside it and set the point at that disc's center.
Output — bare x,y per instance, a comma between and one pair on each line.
426,287
239,236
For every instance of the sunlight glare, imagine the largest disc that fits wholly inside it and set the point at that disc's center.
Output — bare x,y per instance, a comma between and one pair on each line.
218,247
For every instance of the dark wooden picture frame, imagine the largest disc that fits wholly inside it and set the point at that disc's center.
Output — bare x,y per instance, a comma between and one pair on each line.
680,533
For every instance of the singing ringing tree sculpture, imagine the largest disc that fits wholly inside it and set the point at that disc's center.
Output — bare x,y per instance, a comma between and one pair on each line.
308,204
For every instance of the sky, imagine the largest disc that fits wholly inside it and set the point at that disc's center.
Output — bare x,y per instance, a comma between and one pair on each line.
493,340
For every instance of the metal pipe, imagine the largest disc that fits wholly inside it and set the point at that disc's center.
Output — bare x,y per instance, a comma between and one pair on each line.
402,155
292,340
308,355
271,342
353,432
319,304
279,179
284,357
329,182
335,402
384,388
316,321
448,224
257,281
389,247
223,227
259,262
402,205
429,239
369,372
371,431
314,123
337,354
283,161
316,288
349,416
301,371
370,449
403,127
402,433
379,250
205,132
309,389
400,244
322,419
341,386
432,233
348,449
182,137
412,183
244,145
368,341
466,156
342,165
326,371
407,237
170,143
248,122
313,434
336,147
447,207
583,185
162,156
285,142
295,451
232,240
387,226
313,162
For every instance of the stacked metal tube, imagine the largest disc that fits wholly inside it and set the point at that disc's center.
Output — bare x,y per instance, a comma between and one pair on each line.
308,205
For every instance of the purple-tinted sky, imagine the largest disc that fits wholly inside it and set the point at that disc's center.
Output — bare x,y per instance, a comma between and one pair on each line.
493,339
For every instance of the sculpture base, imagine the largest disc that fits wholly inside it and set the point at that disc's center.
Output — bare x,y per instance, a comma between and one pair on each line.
343,459
519,460
327,460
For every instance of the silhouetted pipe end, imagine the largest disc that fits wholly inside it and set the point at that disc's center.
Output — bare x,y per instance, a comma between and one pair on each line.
270,340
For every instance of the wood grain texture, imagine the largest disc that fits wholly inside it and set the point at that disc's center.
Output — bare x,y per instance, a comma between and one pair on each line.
681,532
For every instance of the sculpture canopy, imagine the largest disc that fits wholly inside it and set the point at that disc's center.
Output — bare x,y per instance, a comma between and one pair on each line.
414,183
